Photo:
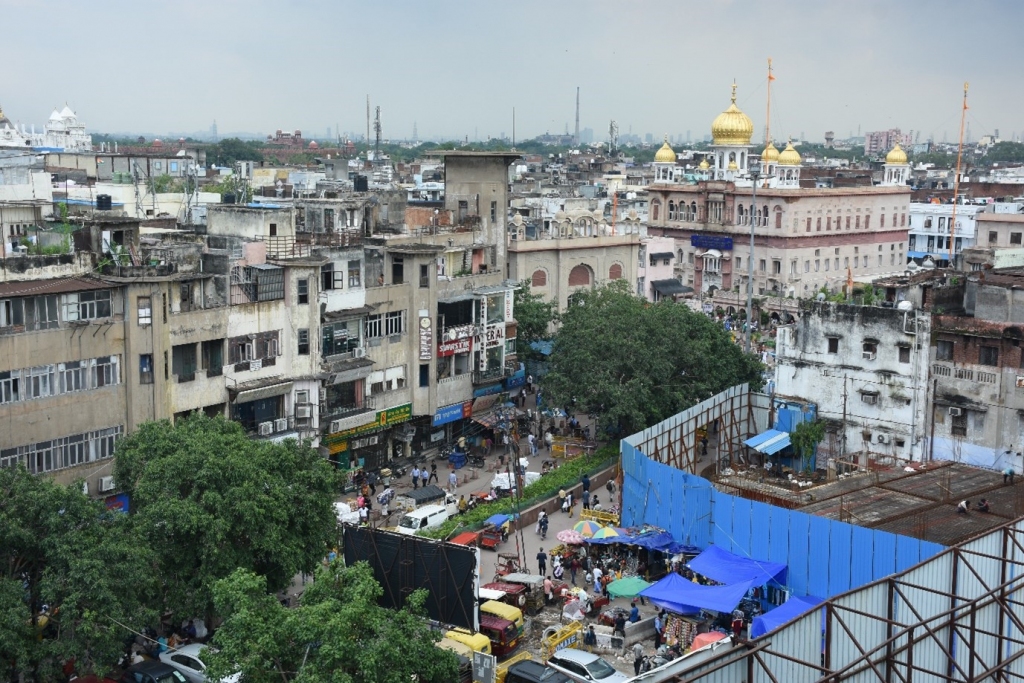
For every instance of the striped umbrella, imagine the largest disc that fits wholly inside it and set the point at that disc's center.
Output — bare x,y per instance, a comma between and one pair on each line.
606,532
570,536
587,528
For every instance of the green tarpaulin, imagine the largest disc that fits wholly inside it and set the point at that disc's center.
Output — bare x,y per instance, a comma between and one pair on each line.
627,587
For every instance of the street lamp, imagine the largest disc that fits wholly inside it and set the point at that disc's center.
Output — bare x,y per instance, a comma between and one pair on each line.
755,174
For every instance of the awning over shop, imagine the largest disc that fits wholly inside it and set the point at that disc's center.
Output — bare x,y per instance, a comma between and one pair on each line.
787,611
678,595
484,403
670,287
770,442
256,393
490,420
725,567
660,255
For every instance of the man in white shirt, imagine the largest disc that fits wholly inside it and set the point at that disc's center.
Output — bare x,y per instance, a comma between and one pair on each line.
597,580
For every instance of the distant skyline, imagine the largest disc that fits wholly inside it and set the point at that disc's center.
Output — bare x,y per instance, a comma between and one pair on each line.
455,69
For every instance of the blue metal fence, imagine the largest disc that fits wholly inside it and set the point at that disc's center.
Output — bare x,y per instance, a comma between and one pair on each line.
825,557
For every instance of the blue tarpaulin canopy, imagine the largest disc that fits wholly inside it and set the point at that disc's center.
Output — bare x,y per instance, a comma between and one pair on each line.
497,520
678,595
725,567
787,611
770,442
656,541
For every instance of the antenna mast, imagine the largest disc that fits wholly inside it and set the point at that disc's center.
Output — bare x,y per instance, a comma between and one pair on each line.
376,130
576,138
768,111
956,181
367,122
513,129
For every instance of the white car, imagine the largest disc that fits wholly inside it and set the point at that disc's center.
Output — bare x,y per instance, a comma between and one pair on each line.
188,659
585,667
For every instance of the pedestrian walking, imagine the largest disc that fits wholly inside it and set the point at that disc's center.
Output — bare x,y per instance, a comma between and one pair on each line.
569,502
529,383
433,472
598,574
533,444
574,566
424,476
506,442
453,481
1008,474
586,499
548,439
542,562
620,625
415,477
704,445
659,628
585,480
638,657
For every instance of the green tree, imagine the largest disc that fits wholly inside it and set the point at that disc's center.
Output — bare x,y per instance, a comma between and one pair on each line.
229,150
533,316
805,438
339,633
1006,152
635,363
209,500
60,549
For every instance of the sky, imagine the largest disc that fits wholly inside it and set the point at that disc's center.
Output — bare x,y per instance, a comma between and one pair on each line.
457,69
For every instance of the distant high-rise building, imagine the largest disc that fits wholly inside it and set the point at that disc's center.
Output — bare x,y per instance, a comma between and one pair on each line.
881,141
586,136
213,130
649,138
328,136
688,138
829,139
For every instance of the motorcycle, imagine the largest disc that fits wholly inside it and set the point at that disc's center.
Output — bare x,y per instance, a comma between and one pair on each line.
477,460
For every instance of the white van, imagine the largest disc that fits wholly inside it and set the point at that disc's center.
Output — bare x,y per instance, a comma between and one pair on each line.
426,517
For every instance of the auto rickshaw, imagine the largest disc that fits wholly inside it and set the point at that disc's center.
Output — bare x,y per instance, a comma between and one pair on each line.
511,593
500,609
502,633
477,642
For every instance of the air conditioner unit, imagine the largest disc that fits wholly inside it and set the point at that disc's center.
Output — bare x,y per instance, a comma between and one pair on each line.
335,426
281,424
359,352
869,355
266,428
302,412
106,484
85,488
956,412
884,438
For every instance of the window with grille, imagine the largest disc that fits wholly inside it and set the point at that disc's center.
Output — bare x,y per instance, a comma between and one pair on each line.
394,323
988,355
183,362
10,386
87,305
105,372
146,368
303,342
374,327
302,290
354,276
73,376
327,276
145,308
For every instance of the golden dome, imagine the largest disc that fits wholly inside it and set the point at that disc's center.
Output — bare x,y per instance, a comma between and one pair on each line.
665,155
769,154
896,155
703,165
789,156
732,126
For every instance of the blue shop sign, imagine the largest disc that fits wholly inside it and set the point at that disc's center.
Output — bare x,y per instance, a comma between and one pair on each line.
518,379
487,391
451,413
711,242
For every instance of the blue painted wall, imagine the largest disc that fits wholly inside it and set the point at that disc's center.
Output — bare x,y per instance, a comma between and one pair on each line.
825,557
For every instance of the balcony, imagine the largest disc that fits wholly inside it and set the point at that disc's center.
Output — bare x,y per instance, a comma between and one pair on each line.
304,244
490,375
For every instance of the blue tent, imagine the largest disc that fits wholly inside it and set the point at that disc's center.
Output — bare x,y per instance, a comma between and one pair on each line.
769,442
654,541
725,567
678,595
786,612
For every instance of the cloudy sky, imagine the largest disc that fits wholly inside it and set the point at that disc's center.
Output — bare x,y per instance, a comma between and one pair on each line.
457,68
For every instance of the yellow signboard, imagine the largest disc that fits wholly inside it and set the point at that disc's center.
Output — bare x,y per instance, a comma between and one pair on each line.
567,636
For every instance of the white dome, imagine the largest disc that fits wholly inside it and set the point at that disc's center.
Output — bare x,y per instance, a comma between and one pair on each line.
55,116
66,113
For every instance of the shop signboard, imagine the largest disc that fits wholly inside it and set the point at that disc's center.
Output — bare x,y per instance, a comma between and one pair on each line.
495,335
711,242
452,347
487,391
426,338
451,413
384,418
517,379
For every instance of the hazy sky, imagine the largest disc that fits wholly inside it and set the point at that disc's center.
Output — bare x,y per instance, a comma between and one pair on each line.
458,68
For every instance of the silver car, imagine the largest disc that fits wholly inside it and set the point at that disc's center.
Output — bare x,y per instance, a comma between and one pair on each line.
585,667
188,659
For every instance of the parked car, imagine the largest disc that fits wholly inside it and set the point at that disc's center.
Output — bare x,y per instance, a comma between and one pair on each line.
534,672
585,667
152,672
188,659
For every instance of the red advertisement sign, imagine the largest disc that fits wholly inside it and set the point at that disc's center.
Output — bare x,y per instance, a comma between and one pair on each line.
450,348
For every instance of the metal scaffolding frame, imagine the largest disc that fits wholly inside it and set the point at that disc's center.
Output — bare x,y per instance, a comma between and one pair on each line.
959,616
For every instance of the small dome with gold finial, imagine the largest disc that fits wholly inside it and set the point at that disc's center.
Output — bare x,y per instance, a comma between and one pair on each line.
703,165
665,155
789,156
732,126
896,155
770,153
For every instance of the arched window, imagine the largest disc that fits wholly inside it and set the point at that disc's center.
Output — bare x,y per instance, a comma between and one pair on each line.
540,279
693,211
778,216
764,216
579,276
671,210
655,210
740,215
615,272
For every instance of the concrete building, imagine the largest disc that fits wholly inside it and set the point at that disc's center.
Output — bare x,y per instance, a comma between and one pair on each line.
805,238
976,367
866,370
931,228
877,142
999,242
62,131
655,270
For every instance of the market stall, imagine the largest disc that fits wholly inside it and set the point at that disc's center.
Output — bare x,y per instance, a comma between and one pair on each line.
723,566
787,611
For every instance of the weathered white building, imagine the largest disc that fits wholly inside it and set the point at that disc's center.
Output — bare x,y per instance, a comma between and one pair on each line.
932,227
866,369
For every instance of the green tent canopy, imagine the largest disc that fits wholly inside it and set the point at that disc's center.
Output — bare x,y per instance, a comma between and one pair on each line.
628,587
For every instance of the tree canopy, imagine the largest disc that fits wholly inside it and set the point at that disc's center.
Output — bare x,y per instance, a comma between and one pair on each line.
61,550
635,363
229,150
208,500
338,633
533,316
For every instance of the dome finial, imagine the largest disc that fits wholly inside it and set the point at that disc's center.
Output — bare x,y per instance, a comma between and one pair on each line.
734,91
